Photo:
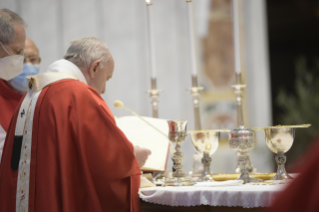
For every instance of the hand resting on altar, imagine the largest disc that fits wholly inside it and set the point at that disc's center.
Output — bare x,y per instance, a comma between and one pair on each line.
141,155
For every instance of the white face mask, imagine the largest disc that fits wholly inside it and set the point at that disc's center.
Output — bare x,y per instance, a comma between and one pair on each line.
10,66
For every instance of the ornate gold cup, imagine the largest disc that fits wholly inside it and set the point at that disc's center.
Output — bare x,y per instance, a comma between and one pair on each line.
279,139
243,139
206,142
177,134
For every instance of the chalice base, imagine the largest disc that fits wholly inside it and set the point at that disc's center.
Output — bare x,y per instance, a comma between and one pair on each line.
281,174
248,179
180,181
205,178
281,177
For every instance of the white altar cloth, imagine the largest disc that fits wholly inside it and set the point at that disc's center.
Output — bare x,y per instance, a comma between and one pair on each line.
247,196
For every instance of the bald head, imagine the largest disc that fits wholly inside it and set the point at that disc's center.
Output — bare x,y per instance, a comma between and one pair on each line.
32,52
29,44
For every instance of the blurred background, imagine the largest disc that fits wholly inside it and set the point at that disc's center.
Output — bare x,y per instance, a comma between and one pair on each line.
279,59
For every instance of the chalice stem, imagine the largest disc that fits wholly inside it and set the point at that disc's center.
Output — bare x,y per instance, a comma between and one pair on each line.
243,163
243,157
281,171
250,168
206,170
178,157
206,160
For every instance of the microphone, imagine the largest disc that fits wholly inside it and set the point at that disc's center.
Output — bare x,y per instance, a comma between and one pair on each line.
120,105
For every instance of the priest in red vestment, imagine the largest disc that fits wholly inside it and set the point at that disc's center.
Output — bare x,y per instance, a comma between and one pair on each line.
13,83
63,151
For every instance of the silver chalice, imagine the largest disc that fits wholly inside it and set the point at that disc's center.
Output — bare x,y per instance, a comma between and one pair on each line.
206,142
243,139
177,134
279,139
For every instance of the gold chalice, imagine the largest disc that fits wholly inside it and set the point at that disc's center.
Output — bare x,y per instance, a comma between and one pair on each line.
279,139
206,142
177,134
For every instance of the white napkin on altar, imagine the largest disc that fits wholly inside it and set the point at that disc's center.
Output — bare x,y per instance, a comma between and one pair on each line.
219,183
146,183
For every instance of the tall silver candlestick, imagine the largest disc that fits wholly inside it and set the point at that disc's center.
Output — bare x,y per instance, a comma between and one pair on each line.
195,90
238,89
154,92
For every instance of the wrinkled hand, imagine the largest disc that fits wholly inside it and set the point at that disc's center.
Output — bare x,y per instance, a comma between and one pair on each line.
141,155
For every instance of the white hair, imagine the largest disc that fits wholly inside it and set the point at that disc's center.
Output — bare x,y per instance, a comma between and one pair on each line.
7,21
83,52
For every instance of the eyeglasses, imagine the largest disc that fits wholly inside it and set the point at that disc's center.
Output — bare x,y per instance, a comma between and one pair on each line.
32,59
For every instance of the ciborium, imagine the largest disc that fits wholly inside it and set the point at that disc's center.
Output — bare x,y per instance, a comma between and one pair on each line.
177,134
206,142
243,139
279,140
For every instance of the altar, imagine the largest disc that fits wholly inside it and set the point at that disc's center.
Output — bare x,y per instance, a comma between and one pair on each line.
245,197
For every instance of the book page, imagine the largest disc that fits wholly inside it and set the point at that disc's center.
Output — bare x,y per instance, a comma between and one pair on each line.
143,135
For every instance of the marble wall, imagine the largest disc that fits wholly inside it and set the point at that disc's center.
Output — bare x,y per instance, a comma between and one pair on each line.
122,25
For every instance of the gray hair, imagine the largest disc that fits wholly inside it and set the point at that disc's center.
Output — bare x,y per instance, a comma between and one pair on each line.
83,52
7,21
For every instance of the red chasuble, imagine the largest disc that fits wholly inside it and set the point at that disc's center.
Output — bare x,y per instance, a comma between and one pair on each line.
303,193
9,100
80,160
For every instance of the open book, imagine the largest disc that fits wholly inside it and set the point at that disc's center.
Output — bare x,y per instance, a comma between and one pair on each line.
143,135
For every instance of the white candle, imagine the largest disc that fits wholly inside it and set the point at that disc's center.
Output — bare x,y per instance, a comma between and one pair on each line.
236,36
191,36
151,39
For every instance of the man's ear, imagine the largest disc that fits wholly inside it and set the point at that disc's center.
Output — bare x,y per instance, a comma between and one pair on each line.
94,67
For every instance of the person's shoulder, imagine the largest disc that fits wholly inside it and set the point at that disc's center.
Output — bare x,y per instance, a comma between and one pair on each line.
72,88
68,86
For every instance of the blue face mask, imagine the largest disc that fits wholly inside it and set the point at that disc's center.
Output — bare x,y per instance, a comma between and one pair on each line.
20,82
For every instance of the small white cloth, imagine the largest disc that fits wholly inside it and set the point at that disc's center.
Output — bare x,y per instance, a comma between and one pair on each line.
247,196
146,183
219,183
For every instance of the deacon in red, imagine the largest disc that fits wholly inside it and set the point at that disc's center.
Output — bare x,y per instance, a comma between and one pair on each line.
13,83
71,157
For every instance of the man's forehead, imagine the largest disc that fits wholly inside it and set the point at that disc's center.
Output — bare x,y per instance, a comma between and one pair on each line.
30,47
18,42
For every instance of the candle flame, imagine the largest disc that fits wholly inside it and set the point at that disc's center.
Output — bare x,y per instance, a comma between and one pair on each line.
148,2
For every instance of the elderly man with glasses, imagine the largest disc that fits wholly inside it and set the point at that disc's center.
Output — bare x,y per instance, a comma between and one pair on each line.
14,66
